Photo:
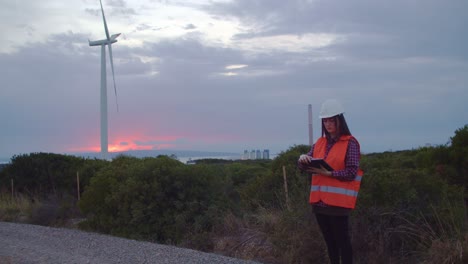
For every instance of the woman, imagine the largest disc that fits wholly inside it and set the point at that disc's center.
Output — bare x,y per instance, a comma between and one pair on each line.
333,193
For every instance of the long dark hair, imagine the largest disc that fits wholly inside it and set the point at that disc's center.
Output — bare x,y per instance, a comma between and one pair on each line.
341,125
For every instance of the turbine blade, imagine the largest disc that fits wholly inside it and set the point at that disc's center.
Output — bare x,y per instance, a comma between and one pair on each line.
105,24
113,75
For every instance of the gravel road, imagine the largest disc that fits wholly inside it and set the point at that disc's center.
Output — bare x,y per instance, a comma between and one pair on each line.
21,243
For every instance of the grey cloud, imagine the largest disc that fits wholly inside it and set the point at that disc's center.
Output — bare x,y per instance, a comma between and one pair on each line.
29,29
127,11
190,26
394,28
142,27
118,7
116,3
159,142
93,12
161,1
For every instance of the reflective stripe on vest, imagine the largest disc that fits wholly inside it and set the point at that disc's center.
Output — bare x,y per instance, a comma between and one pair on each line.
331,189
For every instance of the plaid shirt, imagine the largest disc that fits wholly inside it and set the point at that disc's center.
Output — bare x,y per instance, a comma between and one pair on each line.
351,162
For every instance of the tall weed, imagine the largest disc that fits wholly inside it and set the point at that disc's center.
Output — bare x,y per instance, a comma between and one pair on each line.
436,238
16,208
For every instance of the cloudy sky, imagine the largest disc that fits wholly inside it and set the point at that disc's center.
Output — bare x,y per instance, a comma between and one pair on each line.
229,75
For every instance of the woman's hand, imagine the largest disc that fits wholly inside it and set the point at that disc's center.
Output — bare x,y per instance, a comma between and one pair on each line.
304,158
321,171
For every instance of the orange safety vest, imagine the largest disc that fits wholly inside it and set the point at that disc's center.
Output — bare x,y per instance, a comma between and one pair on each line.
331,190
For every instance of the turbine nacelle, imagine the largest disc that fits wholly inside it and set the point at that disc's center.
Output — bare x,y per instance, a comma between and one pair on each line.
114,37
100,42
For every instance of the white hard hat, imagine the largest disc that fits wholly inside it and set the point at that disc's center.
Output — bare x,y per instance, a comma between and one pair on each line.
331,107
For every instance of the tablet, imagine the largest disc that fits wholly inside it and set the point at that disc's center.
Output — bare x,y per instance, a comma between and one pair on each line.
316,163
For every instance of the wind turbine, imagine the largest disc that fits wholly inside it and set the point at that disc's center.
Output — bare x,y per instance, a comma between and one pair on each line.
108,41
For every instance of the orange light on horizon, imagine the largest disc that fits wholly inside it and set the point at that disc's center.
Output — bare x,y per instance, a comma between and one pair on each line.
128,143
127,147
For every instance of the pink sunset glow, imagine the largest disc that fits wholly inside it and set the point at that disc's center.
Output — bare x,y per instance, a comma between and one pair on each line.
130,142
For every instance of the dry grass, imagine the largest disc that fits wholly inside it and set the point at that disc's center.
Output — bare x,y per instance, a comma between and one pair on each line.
15,209
444,252
436,240
240,238
271,236
50,212
281,236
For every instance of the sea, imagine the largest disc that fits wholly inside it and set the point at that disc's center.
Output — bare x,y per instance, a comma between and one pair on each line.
186,159
238,157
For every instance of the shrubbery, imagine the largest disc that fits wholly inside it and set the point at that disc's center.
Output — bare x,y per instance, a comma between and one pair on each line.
157,199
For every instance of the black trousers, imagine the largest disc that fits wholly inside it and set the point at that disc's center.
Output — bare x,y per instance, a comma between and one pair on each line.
335,230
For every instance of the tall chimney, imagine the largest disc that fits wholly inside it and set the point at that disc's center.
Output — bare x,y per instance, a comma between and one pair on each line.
311,132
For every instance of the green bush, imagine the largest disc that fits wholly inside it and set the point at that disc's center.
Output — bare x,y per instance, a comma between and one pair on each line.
158,199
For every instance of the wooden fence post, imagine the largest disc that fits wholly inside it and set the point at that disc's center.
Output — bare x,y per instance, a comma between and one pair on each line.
286,188
78,184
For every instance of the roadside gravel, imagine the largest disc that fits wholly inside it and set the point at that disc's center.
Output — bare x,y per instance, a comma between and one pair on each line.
22,243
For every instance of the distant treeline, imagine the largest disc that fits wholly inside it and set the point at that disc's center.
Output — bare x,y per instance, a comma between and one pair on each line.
411,208
2,166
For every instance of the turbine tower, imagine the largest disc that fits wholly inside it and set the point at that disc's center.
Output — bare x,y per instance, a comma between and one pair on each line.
108,41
